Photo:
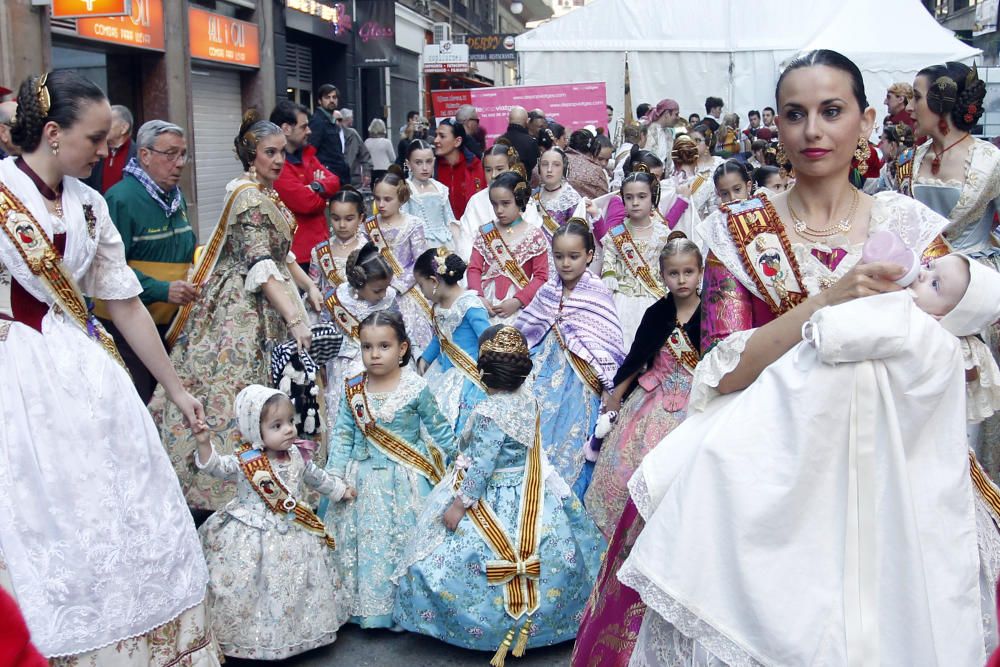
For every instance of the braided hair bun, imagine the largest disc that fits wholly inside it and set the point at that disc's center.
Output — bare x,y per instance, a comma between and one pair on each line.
252,130
442,264
955,89
504,367
366,264
58,97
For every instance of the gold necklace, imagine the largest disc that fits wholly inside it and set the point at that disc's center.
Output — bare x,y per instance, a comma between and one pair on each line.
841,227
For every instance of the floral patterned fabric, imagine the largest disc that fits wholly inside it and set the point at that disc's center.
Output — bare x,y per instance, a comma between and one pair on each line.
226,342
274,591
408,243
631,295
444,593
434,210
371,531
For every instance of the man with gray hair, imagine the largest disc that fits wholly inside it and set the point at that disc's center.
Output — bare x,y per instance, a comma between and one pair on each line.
7,112
355,152
109,170
468,116
150,213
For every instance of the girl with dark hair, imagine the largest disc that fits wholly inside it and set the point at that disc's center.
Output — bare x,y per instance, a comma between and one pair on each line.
400,239
390,443
559,135
704,139
476,516
328,260
632,250
654,382
576,344
429,197
501,158
557,200
773,263
105,519
509,256
249,303
732,181
366,289
897,149
449,362
956,175
586,174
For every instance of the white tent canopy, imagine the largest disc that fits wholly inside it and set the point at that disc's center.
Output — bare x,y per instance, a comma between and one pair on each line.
729,48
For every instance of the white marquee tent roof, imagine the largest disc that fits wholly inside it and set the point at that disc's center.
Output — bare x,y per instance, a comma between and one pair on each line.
729,48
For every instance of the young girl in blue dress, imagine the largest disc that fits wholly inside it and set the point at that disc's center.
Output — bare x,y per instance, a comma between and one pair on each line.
449,363
576,343
429,197
504,556
390,443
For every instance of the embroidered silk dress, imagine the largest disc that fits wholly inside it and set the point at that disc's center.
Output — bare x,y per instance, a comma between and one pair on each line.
434,209
226,343
463,323
408,243
479,212
487,279
372,530
274,590
583,325
560,205
319,276
632,297
443,590
96,543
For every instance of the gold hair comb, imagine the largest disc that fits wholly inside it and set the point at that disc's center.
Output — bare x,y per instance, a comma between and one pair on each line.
42,93
507,341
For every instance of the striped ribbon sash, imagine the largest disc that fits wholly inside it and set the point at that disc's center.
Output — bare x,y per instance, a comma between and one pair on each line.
580,367
327,265
385,249
680,346
634,260
341,315
502,256
458,357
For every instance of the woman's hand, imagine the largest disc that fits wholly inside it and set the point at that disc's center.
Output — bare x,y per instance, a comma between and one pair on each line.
302,335
507,307
315,299
453,515
190,407
863,280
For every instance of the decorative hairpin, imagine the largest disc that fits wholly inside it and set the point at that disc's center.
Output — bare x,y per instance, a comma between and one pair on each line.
640,168
42,93
946,91
506,341
440,262
521,185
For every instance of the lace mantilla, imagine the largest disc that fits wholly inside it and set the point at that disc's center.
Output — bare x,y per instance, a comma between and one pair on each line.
385,405
982,395
512,412
714,366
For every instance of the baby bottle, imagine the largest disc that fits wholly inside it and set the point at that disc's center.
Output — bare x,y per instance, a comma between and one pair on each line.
886,246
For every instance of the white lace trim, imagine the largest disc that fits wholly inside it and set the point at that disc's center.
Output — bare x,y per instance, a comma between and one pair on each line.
717,364
982,395
508,411
980,186
385,405
449,319
260,273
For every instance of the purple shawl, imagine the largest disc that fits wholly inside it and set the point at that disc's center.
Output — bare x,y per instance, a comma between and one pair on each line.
588,323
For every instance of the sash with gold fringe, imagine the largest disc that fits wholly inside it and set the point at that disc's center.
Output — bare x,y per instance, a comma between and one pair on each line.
580,367
327,264
257,470
766,254
458,357
206,263
388,442
517,566
681,348
501,254
45,263
633,259
551,226
385,249
341,315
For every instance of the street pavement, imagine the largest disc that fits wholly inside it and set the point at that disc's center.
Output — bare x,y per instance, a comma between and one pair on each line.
381,648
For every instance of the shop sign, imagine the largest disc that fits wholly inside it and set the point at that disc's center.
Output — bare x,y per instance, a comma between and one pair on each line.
446,58
333,14
376,26
223,39
142,28
491,47
79,9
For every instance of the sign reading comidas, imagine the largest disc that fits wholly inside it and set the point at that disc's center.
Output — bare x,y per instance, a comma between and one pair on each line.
77,9
142,27
223,39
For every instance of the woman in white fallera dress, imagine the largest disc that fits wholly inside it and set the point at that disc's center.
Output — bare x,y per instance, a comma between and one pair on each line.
96,542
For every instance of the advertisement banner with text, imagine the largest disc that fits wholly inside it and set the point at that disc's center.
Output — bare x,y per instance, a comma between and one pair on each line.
376,26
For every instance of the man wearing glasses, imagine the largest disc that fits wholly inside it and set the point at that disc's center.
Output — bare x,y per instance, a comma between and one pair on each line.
150,213
468,116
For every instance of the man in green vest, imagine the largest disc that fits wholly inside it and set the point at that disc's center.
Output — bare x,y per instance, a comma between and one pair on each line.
150,213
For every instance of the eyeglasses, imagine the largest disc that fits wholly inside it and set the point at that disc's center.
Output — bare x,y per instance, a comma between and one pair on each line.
172,156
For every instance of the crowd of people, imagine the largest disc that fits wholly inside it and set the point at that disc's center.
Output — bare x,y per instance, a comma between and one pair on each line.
690,393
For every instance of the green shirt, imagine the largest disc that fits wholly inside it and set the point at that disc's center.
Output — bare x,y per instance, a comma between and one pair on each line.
148,234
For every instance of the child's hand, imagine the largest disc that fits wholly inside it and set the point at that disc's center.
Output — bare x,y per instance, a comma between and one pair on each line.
592,209
350,494
453,515
487,305
507,307
611,401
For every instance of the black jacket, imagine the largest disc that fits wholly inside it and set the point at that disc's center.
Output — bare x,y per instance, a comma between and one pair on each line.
325,137
525,144
657,324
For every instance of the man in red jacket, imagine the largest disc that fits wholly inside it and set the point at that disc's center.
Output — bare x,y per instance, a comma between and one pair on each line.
460,170
304,185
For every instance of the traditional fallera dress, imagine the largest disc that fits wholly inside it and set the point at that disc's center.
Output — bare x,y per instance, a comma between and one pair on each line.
559,208
434,209
328,271
400,246
653,409
971,207
498,270
224,338
274,590
392,447
752,275
96,545
704,198
576,346
479,212
632,270
467,587
452,356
